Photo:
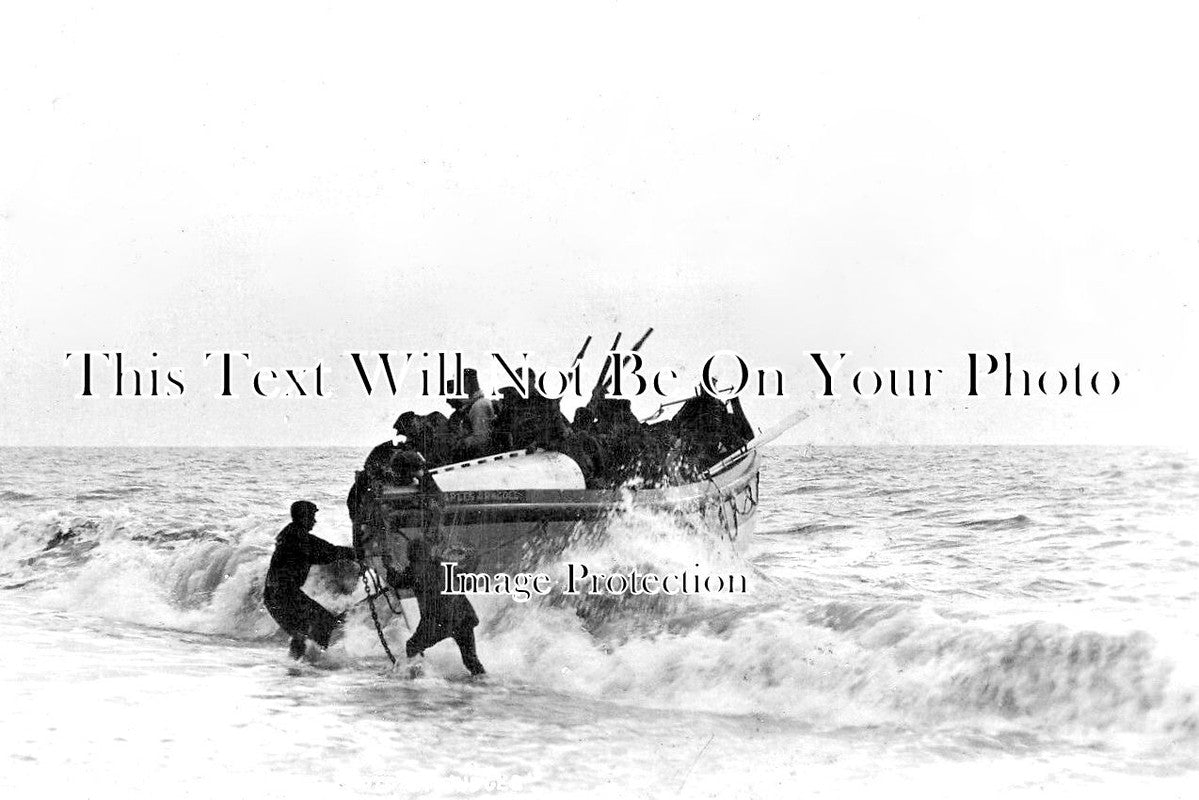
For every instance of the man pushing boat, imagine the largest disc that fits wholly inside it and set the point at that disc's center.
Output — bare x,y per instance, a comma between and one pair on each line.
442,615
296,550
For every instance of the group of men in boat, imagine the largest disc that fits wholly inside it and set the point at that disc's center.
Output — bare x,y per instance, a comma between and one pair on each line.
611,446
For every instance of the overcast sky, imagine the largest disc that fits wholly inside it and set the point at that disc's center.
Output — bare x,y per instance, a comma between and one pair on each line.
909,184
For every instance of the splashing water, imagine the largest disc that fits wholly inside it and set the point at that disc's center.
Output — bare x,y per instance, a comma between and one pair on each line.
916,603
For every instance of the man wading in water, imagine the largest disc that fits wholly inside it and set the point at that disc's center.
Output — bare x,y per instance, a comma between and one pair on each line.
442,616
296,550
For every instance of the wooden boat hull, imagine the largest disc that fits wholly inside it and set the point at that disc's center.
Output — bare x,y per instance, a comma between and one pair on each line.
506,530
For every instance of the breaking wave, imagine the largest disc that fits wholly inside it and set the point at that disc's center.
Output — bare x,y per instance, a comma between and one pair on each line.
846,663
200,579
774,651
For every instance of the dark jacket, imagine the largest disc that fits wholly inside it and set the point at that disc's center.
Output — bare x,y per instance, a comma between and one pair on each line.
378,463
440,614
295,553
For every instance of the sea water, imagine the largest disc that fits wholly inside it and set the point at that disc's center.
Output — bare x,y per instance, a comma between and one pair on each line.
943,621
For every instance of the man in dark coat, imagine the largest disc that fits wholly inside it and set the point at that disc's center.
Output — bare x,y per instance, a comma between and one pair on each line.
533,420
376,468
709,432
296,550
442,616
429,435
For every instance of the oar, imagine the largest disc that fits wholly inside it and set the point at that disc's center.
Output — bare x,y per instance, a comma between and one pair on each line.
769,435
582,352
637,346
603,378
601,388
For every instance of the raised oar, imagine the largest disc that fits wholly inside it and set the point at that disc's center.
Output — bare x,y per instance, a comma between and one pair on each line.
582,352
603,378
601,388
637,346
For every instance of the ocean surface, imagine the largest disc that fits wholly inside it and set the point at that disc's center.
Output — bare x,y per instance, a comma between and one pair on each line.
940,622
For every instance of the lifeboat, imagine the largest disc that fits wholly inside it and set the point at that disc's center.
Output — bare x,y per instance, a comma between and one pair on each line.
499,513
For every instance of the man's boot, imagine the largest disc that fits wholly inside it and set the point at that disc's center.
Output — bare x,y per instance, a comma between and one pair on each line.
297,648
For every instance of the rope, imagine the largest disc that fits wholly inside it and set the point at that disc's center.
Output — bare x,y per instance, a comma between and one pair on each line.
735,510
375,616
369,577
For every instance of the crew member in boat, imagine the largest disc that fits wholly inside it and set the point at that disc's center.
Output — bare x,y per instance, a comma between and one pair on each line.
407,467
706,431
459,422
533,420
296,550
582,445
442,616
583,421
619,438
378,467
429,435
474,434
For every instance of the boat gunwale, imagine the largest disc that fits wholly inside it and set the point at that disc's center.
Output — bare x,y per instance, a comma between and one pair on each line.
730,479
